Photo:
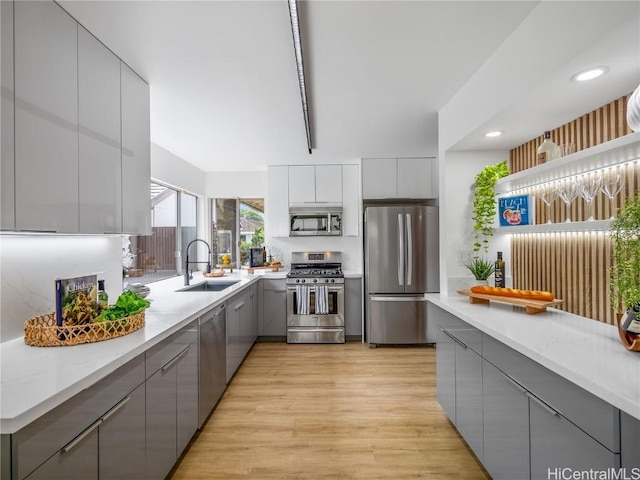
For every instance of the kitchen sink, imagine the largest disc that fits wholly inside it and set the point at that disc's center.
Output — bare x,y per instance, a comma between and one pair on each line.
208,286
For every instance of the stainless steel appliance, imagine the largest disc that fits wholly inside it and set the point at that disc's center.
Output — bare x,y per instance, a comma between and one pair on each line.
401,265
212,360
315,298
315,220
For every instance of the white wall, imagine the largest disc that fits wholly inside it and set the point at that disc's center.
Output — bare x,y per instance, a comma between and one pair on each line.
457,174
31,263
351,248
173,170
236,184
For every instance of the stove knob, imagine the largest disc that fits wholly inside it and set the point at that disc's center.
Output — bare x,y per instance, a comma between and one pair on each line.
333,280
297,280
303,280
315,280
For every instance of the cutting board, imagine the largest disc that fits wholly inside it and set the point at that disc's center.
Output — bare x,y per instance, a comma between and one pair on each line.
531,306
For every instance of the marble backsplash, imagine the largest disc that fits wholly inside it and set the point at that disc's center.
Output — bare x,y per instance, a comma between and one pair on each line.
29,265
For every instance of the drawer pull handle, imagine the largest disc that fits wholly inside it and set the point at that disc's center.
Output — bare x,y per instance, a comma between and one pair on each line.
459,342
515,383
175,359
69,446
115,409
543,404
239,306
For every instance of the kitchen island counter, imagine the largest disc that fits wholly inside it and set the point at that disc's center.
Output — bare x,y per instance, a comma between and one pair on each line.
34,380
585,352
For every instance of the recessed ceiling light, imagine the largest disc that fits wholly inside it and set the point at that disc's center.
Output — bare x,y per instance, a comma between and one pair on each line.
495,133
589,74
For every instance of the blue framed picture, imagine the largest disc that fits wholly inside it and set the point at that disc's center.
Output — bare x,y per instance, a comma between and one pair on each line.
516,210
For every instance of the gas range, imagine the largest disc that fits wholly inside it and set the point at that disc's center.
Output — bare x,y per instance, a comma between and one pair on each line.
315,267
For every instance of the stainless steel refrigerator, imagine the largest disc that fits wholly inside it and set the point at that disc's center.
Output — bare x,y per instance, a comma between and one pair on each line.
401,265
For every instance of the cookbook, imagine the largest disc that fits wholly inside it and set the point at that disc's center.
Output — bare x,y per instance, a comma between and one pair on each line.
71,295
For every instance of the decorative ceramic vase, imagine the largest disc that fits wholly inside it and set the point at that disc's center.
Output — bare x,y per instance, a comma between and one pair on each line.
483,283
630,340
633,110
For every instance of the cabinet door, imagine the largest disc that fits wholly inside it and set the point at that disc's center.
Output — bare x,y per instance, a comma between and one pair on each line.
234,343
253,298
302,184
469,397
100,174
415,178
274,309
446,373
122,439
77,461
46,118
350,201
556,443
136,153
277,202
161,422
7,151
187,397
328,183
353,307
629,441
379,177
506,425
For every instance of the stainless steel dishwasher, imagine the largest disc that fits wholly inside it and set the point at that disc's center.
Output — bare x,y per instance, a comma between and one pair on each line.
213,365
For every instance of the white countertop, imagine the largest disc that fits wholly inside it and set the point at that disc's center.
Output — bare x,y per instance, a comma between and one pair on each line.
583,351
34,380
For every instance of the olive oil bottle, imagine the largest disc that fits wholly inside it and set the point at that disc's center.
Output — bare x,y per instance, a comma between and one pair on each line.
499,271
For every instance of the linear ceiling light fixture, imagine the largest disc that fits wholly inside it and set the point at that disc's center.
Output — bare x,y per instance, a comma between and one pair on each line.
297,45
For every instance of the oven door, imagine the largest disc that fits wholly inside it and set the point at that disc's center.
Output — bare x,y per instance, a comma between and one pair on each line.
335,308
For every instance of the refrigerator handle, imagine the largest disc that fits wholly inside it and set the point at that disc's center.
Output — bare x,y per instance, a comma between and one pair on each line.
400,250
409,250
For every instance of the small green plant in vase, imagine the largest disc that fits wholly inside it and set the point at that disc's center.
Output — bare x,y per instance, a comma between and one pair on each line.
481,268
625,272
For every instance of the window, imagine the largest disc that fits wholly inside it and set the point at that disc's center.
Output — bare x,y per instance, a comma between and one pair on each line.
238,225
154,256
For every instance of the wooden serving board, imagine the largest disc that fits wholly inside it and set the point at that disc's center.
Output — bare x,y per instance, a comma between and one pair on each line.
531,306
268,267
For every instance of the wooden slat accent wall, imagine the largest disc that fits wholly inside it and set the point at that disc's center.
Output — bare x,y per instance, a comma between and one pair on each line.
601,125
574,266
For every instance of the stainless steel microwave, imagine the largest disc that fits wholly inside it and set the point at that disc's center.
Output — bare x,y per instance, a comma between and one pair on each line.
315,220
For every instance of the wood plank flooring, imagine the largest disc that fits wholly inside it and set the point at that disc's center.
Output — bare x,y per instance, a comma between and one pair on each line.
330,412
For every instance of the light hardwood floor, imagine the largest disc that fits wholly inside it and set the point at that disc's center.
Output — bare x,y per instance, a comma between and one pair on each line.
331,412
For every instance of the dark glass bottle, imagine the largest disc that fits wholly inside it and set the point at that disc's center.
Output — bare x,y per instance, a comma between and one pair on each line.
499,271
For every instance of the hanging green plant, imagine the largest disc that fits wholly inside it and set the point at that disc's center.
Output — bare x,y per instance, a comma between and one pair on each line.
484,204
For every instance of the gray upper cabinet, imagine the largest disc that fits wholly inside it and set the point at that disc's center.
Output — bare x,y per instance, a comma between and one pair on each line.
46,118
99,140
136,153
389,178
7,153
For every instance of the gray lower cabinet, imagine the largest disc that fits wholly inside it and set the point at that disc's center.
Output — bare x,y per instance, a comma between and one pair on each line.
630,442
353,308
81,437
171,399
556,443
122,439
446,373
241,328
274,309
506,425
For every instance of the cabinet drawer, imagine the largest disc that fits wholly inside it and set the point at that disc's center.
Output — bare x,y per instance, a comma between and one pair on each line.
274,285
438,316
36,442
593,415
163,352
466,338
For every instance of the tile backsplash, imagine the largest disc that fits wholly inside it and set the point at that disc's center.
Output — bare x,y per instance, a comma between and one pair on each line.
29,264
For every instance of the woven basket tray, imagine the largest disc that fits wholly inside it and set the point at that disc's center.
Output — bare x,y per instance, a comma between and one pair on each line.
42,331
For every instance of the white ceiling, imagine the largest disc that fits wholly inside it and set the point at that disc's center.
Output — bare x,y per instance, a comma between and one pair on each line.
224,92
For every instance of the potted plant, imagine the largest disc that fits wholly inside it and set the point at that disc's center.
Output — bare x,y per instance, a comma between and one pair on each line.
484,204
625,271
481,268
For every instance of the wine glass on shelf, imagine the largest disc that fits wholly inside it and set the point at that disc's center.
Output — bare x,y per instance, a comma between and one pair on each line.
590,185
548,195
568,189
612,185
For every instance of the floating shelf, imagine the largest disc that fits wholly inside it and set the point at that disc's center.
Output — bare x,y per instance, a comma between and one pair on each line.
614,152
587,226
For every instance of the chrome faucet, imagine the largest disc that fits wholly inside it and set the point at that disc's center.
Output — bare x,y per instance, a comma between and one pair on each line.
187,275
